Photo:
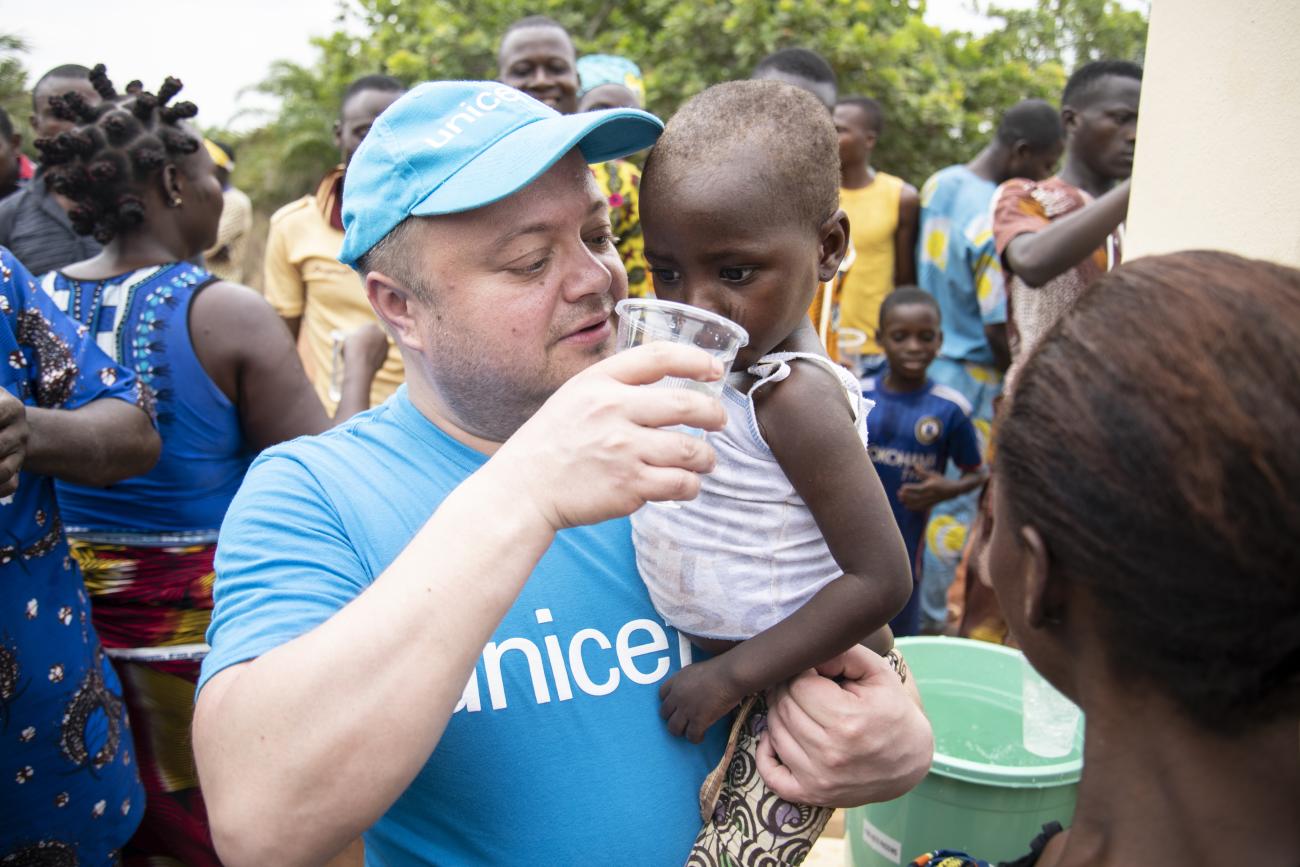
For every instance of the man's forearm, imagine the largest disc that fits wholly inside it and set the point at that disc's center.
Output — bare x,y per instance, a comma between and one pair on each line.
302,749
1038,257
103,442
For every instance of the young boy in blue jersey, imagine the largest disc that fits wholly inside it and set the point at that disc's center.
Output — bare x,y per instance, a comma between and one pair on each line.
917,426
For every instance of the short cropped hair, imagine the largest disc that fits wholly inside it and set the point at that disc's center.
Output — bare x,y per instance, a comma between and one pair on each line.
532,21
66,70
1036,122
784,132
904,295
1083,84
798,61
874,112
381,83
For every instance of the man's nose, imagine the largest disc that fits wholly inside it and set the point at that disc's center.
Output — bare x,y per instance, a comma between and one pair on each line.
591,276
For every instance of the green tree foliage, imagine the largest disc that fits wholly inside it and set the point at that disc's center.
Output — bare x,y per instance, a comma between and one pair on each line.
942,91
14,97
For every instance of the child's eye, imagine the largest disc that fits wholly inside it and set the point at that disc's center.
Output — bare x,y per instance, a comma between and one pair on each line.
735,275
664,275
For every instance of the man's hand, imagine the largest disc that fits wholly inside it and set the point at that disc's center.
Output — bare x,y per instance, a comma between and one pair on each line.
850,733
696,697
13,441
933,489
595,451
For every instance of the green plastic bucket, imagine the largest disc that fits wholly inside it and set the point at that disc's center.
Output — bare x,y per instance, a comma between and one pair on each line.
985,793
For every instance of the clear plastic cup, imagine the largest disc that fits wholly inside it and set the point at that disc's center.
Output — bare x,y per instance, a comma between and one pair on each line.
1049,720
849,342
646,320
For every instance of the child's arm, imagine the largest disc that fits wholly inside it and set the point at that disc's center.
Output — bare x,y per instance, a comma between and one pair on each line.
934,488
807,424
963,447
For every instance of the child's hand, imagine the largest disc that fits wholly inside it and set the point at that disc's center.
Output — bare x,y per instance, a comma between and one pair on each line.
933,489
696,697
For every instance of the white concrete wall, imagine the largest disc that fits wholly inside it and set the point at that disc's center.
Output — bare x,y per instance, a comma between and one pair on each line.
1218,152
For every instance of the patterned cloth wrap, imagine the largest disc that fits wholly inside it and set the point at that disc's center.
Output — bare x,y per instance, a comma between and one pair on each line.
152,606
745,823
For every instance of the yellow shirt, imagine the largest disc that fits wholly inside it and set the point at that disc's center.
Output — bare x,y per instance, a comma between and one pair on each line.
304,278
620,182
873,223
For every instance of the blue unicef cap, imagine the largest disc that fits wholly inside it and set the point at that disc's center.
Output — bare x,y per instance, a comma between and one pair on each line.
450,146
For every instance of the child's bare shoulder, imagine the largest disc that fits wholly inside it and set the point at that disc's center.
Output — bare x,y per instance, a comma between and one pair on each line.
811,395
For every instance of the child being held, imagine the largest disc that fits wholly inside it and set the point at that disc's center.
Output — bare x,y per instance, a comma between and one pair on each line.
916,427
789,555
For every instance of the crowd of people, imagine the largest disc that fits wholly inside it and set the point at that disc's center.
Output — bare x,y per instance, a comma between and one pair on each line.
379,552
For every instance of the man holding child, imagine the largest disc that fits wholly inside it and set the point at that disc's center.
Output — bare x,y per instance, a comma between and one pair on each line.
429,626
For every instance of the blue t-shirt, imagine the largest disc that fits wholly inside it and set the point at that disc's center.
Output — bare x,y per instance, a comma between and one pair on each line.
921,429
556,753
69,791
956,261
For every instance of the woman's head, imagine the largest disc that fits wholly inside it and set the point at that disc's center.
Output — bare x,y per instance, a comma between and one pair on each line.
1147,487
131,157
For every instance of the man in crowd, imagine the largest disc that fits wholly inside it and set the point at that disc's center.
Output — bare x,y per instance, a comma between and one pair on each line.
227,257
805,69
71,793
15,168
882,211
1059,235
959,266
537,56
429,624
34,222
319,298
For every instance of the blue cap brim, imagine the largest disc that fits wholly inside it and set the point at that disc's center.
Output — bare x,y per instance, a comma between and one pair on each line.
522,156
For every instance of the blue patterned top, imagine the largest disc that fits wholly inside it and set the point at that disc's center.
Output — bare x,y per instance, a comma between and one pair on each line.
141,319
69,792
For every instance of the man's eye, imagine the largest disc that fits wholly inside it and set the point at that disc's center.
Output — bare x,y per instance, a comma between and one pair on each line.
735,275
603,242
533,267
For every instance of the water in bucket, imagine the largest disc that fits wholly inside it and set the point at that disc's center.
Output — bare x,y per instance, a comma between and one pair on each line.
986,793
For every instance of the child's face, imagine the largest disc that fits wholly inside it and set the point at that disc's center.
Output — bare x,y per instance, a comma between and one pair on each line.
716,241
910,337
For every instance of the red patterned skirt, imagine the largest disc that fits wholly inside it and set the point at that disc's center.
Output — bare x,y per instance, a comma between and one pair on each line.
151,606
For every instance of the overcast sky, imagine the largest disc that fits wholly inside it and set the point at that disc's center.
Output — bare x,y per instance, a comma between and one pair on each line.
219,49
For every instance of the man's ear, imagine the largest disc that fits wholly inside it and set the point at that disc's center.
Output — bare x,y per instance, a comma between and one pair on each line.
395,305
1069,120
871,138
833,240
338,134
1042,592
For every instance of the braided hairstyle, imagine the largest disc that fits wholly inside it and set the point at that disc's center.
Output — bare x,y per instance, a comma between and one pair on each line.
117,146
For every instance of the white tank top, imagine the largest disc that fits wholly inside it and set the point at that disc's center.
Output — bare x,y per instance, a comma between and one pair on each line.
746,553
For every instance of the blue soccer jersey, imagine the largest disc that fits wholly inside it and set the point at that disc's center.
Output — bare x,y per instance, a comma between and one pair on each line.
913,434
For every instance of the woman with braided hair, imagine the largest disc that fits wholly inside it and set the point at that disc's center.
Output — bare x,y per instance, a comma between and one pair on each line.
225,380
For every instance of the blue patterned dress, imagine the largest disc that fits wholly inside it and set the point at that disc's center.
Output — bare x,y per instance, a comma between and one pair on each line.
69,790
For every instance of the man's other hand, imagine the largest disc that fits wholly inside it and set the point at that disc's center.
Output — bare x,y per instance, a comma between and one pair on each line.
847,734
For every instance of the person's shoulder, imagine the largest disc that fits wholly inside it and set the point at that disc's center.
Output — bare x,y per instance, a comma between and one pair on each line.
300,209
331,456
954,399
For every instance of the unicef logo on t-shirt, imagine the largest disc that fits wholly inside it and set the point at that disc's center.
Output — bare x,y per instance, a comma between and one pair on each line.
928,429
